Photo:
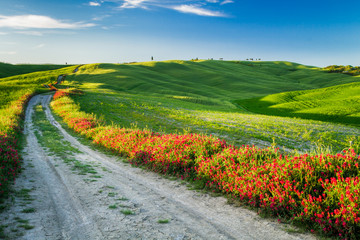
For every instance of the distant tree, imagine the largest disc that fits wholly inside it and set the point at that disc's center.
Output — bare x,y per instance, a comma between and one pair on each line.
343,69
152,58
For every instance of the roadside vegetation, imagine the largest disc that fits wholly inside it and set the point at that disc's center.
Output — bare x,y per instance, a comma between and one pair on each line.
15,91
50,138
318,191
174,120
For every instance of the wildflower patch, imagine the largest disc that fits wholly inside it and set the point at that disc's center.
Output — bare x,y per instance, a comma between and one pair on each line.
318,191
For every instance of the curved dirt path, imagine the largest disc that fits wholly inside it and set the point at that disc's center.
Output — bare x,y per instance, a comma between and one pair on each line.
72,206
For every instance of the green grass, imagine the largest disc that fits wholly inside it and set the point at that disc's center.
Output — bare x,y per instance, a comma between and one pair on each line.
29,210
339,104
114,206
206,82
26,226
122,199
49,137
127,212
19,220
163,221
203,97
12,88
112,194
2,234
7,70
24,194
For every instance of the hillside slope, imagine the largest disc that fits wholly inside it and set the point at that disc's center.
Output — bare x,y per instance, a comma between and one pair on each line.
339,103
224,80
11,88
199,97
7,70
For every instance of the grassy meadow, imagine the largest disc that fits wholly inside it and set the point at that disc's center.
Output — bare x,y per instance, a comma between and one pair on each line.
210,97
8,70
340,103
13,87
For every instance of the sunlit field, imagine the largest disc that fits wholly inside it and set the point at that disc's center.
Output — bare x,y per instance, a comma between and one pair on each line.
150,96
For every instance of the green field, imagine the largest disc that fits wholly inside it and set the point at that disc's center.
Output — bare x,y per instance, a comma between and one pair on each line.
17,85
340,103
208,97
8,70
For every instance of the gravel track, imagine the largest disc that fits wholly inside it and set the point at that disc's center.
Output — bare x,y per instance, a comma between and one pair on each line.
73,206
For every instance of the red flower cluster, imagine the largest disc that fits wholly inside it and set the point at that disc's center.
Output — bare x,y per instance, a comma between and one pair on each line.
52,88
320,191
10,119
60,94
67,92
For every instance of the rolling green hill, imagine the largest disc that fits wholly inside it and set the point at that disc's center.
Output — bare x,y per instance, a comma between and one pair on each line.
340,103
7,70
213,79
203,97
15,86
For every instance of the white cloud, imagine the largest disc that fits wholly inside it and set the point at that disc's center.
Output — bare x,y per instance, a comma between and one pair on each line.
39,46
32,33
226,2
3,33
133,4
99,18
38,21
193,9
212,1
94,4
8,53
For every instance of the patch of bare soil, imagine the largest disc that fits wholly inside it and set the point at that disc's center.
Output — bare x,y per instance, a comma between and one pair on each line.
120,202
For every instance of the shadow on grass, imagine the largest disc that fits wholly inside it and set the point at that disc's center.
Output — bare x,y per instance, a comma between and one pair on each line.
258,105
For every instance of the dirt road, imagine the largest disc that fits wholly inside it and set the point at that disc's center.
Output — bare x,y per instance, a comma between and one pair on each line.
120,202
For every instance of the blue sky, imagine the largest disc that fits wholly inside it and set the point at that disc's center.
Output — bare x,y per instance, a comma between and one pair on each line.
313,32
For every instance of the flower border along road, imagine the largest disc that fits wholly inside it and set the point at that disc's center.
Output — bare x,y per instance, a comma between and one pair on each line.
320,192
10,122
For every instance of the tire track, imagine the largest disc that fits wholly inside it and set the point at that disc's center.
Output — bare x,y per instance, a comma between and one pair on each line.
72,221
